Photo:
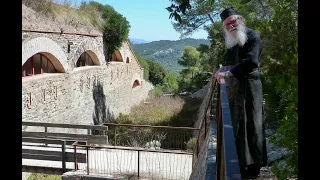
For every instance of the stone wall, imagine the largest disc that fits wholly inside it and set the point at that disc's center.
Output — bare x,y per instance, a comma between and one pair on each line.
83,95
33,42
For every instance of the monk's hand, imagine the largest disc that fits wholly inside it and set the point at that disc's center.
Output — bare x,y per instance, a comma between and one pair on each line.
220,75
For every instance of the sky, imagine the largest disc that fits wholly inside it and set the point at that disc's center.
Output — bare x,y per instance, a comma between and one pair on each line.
149,20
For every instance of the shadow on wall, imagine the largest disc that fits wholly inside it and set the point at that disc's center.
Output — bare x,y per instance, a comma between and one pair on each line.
101,114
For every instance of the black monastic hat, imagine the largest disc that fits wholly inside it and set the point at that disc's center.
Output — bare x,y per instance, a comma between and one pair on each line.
228,12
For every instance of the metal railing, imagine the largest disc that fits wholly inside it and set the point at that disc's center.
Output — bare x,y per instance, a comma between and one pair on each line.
227,164
141,151
220,159
150,137
115,161
158,152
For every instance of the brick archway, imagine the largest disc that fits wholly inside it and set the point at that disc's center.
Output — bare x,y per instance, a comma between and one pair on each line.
48,47
135,80
92,49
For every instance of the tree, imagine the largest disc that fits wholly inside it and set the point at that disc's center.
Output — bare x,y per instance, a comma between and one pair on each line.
276,21
156,73
145,66
116,27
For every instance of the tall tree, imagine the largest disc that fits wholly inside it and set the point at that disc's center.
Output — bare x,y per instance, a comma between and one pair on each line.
116,28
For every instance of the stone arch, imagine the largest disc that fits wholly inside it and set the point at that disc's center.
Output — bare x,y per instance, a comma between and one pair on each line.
47,47
117,56
89,47
93,57
136,80
41,63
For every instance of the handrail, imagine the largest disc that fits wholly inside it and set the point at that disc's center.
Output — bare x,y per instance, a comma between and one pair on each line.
226,154
150,126
62,125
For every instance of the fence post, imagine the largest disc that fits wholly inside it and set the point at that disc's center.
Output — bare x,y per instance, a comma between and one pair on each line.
63,143
75,158
88,160
197,147
138,164
46,130
115,136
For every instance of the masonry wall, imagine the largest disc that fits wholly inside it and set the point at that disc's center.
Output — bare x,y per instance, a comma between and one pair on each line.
83,95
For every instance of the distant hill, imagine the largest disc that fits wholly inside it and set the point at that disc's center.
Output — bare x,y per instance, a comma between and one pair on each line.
138,41
167,52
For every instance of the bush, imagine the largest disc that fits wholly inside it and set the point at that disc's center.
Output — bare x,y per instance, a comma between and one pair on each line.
38,176
191,144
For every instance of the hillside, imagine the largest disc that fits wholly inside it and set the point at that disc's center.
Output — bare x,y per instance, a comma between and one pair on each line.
167,52
138,41
57,17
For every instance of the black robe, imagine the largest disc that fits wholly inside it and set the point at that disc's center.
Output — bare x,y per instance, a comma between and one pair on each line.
246,101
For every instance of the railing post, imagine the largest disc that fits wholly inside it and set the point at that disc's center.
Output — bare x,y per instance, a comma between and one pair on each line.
115,136
197,147
75,158
63,143
88,160
138,164
46,130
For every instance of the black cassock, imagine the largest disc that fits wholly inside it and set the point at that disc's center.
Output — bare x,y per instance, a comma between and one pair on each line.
246,100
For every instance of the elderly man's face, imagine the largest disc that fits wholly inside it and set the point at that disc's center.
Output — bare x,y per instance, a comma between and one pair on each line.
231,23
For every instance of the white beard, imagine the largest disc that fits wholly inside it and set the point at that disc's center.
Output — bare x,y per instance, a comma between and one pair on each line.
238,36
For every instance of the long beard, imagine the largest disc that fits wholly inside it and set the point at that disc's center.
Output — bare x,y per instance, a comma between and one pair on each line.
238,36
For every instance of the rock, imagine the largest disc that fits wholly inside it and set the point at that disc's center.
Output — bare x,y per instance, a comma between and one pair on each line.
270,146
277,155
269,132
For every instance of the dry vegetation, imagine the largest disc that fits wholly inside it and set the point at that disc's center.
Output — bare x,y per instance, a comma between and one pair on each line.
65,12
38,176
156,110
164,110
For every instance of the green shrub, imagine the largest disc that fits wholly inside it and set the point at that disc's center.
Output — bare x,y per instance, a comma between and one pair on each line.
191,144
38,176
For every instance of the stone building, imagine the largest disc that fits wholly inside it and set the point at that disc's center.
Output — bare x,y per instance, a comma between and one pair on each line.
66,79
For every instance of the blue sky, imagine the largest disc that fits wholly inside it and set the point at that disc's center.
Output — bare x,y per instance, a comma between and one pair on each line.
149,20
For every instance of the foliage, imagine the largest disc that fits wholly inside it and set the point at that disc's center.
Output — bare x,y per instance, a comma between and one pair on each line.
170,84
198,68
276,21
145,65
160,111
38,176
191,144
156,73
163,81
116,27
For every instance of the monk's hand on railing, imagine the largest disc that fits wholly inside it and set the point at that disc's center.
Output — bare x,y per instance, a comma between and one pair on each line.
220,76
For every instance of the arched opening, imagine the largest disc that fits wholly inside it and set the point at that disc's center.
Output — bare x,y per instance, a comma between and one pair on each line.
47,47
85,59
127,60
116,57
39,64
136,83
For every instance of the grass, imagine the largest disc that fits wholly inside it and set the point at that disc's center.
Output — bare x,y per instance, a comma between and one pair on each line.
69,11
38,176
159,111
164,110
